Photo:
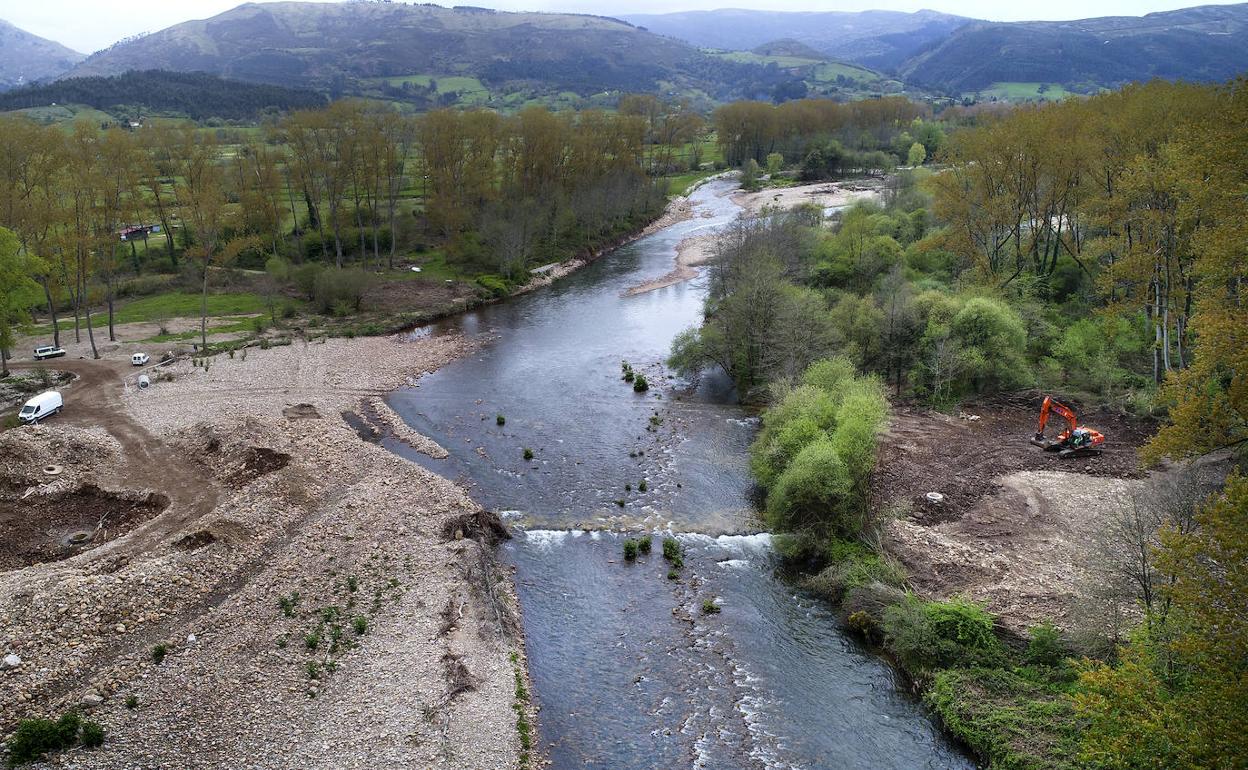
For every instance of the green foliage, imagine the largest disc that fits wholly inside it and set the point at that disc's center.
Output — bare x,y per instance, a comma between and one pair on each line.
1009,721
1178,697
813,489
36,738
852,565
92,734
1045,647
932,635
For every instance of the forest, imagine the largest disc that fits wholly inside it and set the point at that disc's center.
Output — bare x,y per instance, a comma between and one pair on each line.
196,95
1094,247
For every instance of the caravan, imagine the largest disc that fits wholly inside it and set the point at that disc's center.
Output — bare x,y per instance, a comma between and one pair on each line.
41,406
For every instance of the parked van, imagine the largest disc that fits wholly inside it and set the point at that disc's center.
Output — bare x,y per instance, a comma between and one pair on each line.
41,406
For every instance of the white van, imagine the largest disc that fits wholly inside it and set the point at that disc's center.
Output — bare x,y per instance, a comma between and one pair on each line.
41,406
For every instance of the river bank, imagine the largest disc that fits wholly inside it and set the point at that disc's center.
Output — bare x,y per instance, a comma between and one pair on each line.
260,583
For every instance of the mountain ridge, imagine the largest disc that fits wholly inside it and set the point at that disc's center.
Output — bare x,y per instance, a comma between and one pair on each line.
25,57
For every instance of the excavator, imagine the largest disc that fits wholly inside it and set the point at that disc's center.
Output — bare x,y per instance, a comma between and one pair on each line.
1072,442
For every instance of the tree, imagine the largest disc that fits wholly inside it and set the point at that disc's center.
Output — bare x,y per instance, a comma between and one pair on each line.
18,293
1179,699
917,154
201,197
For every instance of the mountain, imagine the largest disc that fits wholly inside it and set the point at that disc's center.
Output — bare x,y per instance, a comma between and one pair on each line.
879,39
193,94
1207,43
357,48
25,57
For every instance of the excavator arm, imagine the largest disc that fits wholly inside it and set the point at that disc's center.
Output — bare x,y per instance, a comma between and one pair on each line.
1061,409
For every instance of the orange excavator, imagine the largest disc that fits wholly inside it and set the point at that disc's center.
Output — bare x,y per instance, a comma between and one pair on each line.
1072,442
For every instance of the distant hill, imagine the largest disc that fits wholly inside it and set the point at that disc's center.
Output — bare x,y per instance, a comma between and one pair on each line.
194,95
879,39
345,48
1207,43
25,58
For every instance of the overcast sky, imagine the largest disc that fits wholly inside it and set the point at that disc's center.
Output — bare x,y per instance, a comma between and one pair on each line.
88,25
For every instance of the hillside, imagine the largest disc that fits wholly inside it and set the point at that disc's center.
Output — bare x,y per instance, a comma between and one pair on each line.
1207,43
880,39
194,95
357,47
25,57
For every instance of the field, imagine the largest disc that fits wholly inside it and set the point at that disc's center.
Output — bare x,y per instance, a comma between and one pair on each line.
1016,92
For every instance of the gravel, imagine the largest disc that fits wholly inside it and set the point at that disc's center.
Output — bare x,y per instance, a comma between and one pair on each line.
254,604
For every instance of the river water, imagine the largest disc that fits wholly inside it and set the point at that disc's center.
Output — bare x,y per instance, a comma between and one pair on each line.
627,670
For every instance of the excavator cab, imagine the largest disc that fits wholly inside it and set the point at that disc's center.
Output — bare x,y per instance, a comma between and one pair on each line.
1075,441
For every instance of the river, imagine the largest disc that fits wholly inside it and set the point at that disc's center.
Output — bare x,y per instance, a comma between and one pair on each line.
626,668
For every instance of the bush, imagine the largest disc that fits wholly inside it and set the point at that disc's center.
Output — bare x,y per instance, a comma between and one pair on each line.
931,635
812,491
1045,647
340,291
1009,722
35,738
854,566
92,735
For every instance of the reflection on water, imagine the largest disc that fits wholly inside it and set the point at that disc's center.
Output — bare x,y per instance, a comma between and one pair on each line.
628,672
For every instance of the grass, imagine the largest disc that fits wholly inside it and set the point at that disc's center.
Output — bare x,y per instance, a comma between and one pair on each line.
173,304
523,728
1020,91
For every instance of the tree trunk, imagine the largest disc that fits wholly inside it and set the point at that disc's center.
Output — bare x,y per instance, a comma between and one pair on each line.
203,313
56,326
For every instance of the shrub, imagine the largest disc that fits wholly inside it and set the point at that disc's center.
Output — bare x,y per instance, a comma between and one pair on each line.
855,568
35,738
933,635
814,490
1045,647
1007,721
92,734
671,549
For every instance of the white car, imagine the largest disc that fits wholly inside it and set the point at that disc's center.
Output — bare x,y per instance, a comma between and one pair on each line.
140,359
41,406
48,351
